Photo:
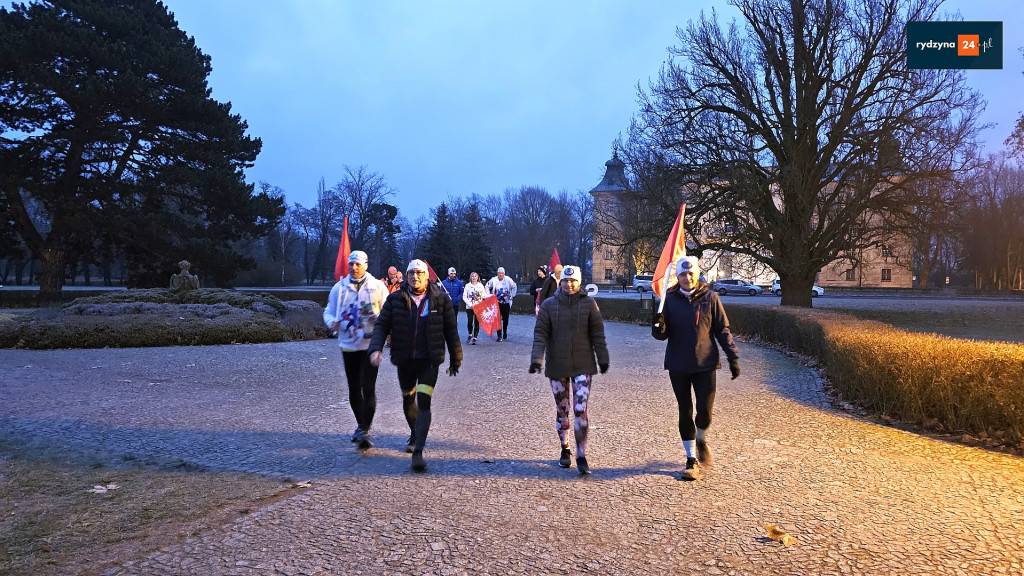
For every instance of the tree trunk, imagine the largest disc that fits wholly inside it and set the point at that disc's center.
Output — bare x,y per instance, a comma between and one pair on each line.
51,279
796,289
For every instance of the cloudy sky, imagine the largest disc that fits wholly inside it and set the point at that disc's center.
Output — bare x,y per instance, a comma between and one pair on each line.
446,98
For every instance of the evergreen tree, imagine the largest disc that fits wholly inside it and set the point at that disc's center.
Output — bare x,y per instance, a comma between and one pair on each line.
106,121
475,255
439,245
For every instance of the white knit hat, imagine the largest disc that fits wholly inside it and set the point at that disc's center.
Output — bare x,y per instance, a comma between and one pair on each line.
358,256
688,264
417,265
570,271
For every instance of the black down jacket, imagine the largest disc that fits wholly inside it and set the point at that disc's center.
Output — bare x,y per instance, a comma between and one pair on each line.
397,317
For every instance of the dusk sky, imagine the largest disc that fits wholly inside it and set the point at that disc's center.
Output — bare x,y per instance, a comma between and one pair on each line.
448,98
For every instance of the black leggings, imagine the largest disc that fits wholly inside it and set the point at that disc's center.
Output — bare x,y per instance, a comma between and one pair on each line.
505,310
703,386
362,386
417,378
472,323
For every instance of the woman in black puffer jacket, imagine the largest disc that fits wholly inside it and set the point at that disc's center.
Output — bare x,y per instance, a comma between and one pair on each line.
570,328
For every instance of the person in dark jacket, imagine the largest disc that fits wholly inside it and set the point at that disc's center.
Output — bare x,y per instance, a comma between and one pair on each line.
536,285
692,321
571,331
550,284
421,321
453,287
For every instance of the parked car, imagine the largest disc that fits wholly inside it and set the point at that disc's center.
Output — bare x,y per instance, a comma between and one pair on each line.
642,282
736,286
815,290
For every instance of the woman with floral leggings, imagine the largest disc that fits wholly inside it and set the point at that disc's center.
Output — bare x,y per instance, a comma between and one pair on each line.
571,331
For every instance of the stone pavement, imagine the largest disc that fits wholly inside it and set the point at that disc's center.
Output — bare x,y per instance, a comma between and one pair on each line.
860,498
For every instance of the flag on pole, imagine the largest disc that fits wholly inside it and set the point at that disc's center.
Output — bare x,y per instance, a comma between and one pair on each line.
488,314
675,248
433,277
555,261
344,249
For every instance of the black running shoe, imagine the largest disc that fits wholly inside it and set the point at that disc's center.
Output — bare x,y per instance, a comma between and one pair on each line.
357,434
498,339
565,458
704,453
692,470
582,466
411,445
364,442
418,463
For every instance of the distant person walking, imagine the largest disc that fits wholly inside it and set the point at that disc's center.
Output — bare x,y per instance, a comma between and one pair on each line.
453,288
550,284
505,289
536,285
473,294
352,310
692,320
569,335
421,321
622,280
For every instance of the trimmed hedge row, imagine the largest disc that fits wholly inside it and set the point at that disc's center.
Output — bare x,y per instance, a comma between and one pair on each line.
927,379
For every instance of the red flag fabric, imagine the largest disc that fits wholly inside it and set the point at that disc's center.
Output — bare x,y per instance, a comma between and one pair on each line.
344,249
555,261
675,248
431,275
488,314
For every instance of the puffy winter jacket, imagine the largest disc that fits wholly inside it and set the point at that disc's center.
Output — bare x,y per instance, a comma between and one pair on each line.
692,324
571,331
398,318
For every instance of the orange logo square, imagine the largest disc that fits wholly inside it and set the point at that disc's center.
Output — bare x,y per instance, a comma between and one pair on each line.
967,45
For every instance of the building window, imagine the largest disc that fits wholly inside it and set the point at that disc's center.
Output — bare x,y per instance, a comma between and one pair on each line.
609,254
850,275
608,274
886,252
886,274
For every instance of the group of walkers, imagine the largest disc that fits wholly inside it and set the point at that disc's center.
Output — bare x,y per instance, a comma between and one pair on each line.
419,317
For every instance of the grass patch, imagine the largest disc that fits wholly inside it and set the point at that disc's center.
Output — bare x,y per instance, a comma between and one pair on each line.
943,383
51,524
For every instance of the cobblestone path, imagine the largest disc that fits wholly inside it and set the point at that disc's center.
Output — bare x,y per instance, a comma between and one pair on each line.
859,498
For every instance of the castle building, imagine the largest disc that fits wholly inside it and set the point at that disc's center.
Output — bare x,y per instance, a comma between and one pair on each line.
608,265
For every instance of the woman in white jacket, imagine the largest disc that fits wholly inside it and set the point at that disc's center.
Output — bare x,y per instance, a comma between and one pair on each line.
351,311
473,293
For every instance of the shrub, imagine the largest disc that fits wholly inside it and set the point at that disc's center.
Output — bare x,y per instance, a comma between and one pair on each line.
155,317
963,385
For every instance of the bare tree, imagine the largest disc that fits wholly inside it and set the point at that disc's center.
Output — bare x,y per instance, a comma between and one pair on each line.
358,192
796,135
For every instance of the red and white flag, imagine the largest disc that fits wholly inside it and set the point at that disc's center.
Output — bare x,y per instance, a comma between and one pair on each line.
344,249
675,248
488,314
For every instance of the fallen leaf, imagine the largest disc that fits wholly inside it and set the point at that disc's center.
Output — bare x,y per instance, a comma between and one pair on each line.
779,535
98,489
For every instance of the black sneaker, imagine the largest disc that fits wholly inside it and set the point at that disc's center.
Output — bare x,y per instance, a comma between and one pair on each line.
474,341
411,445
704,454
582,466
469,339
498,339
364,441
692,470
418,463
357,434
565,458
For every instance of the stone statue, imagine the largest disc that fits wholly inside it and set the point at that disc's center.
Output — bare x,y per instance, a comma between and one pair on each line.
184,281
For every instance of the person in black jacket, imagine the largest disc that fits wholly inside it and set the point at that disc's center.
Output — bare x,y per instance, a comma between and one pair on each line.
692,320
550,284
536,285
421,321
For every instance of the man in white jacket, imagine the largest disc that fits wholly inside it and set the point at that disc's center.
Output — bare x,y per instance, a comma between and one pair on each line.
352,310
505,289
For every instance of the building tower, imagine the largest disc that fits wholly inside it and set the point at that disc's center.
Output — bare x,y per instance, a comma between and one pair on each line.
606,261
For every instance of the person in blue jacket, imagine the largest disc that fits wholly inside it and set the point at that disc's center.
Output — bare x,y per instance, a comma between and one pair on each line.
692,320
453,286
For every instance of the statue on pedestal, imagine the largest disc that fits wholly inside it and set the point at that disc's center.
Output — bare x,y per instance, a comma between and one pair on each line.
184,281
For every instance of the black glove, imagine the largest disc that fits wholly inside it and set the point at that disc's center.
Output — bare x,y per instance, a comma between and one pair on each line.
535,367
658,325
453,369
603,368
734,367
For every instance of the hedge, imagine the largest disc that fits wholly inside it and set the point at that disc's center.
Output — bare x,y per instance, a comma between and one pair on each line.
927,379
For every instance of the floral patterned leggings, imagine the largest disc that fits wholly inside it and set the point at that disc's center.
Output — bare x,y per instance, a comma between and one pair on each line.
566,404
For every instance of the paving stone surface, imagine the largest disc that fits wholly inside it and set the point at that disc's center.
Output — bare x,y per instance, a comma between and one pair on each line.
859,498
